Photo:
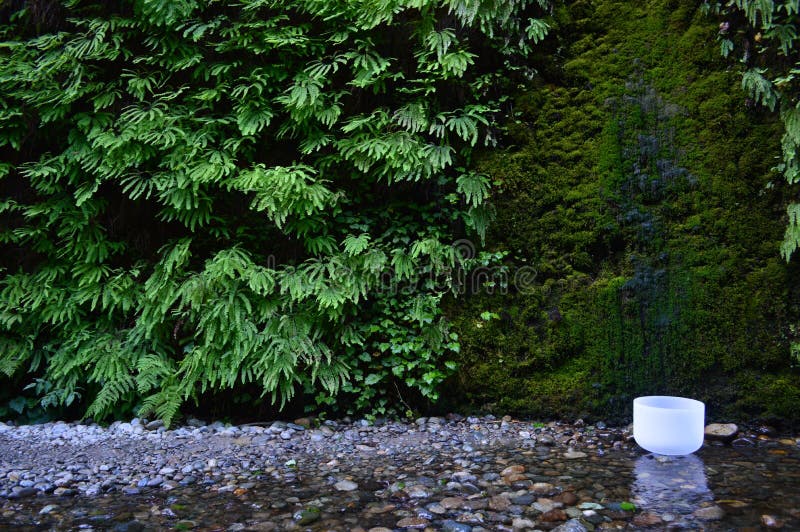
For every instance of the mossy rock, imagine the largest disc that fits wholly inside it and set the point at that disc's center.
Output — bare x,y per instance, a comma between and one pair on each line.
637,186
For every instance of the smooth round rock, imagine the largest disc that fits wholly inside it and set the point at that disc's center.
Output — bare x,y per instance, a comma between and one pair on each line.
724,432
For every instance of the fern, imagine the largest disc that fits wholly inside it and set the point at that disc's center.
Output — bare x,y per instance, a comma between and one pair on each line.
206,196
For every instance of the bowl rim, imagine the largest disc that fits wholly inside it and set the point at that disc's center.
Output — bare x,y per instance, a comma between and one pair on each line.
682,403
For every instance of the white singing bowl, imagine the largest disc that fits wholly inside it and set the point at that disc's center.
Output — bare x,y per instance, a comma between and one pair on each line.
668,425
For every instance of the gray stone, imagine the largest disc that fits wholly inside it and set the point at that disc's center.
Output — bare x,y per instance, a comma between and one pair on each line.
724,432
590,506
546,440
345,485
522,524
573,525
523,500
452,526
129,526
709,513
572,455
18,493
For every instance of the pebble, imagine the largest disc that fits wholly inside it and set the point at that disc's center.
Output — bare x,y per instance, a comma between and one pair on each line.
573,525
413,522
724,432
452,526
572,455
710,513
307,516
520,523
546,439
346,485
343,475
770,521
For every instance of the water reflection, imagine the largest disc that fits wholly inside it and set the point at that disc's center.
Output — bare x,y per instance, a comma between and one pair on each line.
670,485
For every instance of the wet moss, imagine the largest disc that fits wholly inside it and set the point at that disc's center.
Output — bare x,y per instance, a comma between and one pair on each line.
637,186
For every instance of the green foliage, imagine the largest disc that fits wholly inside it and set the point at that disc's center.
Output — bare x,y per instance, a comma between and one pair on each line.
198,195
765,33
647,209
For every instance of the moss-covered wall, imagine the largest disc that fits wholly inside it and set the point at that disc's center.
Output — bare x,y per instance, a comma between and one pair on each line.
638,187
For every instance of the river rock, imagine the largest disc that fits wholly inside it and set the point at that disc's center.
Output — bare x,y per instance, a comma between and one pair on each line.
710,513
522,524
512,470
543,488
572,455
452,503
573,525
453,526
345,485
554,515
770,521
412,522
647,519
725,432
546,439
307,516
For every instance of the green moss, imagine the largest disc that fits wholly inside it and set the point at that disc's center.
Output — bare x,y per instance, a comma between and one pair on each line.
645,284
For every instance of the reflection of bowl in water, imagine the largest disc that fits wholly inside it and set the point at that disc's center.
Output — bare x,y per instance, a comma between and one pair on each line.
675,484
668,425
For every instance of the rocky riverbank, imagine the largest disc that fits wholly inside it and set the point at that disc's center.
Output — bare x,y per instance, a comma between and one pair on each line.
449,473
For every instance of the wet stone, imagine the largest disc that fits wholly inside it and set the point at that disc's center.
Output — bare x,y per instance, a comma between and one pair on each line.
573,525
543,488
499,503
307,516
520,523
709,513
346,485
452,526
413,522
556,514
724,432
523,500
647,519
452,503
572,455
770,521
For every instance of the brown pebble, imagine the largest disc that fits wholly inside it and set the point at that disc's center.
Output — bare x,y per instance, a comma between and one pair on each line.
412,522
556,514
647,519
512,469
304,422
543,488
567,498
514,477
452,503
498,503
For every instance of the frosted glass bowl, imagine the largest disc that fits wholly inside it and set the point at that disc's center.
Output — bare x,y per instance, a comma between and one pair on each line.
668,425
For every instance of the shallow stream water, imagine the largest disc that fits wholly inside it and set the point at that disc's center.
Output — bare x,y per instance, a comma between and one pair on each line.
717,488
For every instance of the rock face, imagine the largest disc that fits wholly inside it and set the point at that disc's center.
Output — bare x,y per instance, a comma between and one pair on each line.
725,432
